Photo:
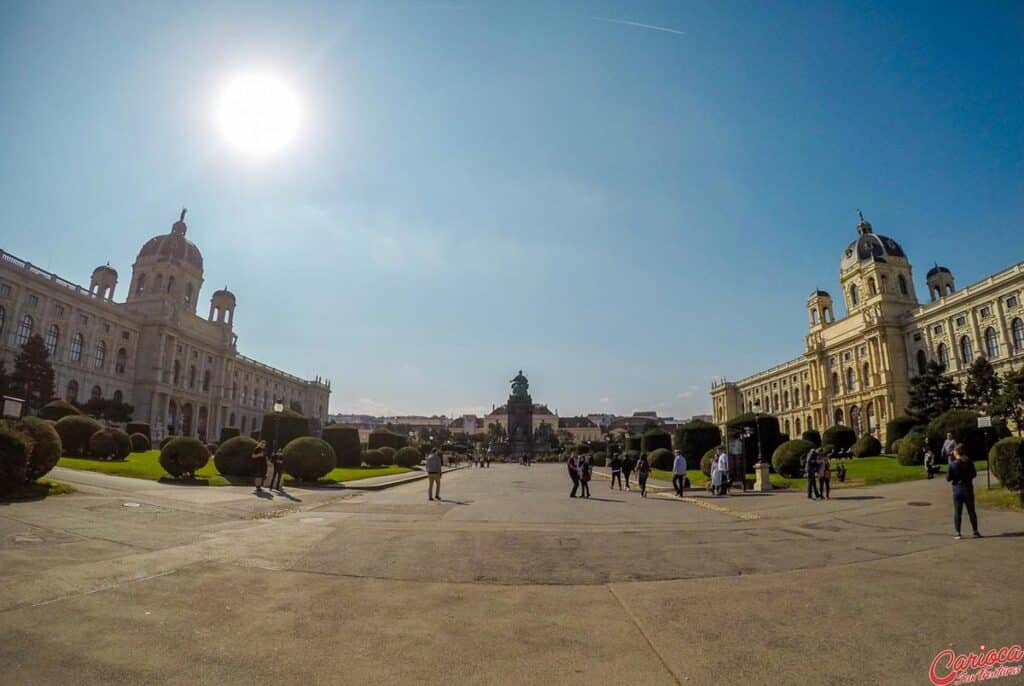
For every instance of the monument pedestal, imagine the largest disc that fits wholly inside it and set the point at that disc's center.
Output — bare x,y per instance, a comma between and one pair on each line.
520,428
761,482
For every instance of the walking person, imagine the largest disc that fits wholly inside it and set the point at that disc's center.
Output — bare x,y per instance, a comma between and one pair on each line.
586,471
961,475
825,477
277,460
616,465
627,468
929,462
811,471
679,474
723,467
574,474
716,476
948,449
433,465
643,470
259,467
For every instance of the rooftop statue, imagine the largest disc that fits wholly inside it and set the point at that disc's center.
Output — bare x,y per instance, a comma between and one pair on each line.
520,386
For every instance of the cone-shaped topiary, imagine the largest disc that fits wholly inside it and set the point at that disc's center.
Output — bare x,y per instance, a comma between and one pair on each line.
788,458
897,428
140,443
660,458
183,456
867,446
600,459
75,432
963,424
165,440
58,409
696,437
344,440
281,428
1004,459
408,457
389,454
655,438
234,458
308,458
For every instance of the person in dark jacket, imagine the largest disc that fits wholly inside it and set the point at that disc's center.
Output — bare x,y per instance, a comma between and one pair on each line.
643,470
574,474
277,460
961,474
616,465
586,471
811,464
627,468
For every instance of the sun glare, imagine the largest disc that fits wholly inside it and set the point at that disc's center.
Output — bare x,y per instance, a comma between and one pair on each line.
258,114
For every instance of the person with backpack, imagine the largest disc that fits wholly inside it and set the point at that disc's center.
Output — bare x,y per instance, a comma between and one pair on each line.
643,470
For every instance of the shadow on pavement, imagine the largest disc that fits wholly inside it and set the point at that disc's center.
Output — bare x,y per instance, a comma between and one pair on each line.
857,497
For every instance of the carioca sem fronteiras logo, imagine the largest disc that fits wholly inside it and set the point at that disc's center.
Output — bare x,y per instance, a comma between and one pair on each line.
950,668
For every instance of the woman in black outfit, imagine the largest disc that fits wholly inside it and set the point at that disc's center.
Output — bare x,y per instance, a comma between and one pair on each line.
961,474
643,470
586,469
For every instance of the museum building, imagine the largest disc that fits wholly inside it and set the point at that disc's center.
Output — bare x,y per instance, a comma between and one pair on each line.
181,372
856,370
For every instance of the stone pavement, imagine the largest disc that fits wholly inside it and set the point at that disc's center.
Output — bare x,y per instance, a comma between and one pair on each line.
506,581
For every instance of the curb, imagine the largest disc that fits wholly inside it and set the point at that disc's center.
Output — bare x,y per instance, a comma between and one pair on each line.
403,479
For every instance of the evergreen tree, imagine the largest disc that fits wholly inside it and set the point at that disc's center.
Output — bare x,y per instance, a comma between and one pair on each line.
1009,404
983,385
932,393
33,373
5,380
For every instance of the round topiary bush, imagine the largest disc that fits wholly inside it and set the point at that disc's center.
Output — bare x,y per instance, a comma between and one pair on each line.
165,440
788,458
706,460
408,457
912,449
344,440
1004,459
660,458
183,456
122,444
57,410
45,447
812,436
374,458
75,432
895,448
234,458
839,437
308,458
654,439
15,447
140,443
867,446
102,445
389,454
897,428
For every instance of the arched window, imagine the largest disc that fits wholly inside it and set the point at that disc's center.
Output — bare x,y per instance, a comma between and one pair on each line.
851,379
943,355
787,426
796,398
814,316
922,362
24,330
1017,327
807,393
775,402
966,350
785,399
231,421
991,343
96,393
118,397
206,380
867,375
122,361
100,357
140,285
188,294
234,391
797,425
837,418
265,404
904,289
854,295
170,283
192,376
3,318
52,336
837,388
76,347
885,283
872,288
71,395
177,373
159,282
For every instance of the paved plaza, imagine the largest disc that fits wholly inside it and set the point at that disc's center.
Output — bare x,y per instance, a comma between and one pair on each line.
505,581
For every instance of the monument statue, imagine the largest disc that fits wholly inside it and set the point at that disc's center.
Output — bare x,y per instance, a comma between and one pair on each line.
520,386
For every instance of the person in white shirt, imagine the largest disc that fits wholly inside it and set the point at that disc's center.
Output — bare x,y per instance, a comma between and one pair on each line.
679,473
722,464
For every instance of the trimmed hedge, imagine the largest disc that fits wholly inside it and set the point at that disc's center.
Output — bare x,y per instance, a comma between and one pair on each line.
45,447
895,448
285,426
912,449
75,432
788,458
139,428
634,442
897,428
696,437
660,458
375,458
344,440
234,458
655,439
308,458
867,446
389,454
382,437
229,432
705,461
840,437
812,436
57,410
140,443
165,440
103,445
183,456
15,447
1004,459
764,425
122,443
407,456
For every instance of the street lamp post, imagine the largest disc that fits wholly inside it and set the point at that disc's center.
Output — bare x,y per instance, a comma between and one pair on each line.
757,429
278,409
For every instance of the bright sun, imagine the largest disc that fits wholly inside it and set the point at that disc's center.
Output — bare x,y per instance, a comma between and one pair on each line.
258,114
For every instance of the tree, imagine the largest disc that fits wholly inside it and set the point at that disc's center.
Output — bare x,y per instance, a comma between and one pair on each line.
983,384
1009,404
33,373
109,409
932,393
5,380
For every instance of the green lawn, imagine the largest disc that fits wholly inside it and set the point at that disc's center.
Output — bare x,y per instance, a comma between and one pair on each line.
696,476
38,490
997,497
147,466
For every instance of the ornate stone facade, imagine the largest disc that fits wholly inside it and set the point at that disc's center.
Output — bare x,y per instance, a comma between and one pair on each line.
856,370
183,373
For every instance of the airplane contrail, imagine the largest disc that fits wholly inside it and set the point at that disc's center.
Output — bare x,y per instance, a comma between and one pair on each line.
638,24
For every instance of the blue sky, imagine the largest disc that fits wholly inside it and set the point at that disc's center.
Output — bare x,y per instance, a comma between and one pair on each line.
623,212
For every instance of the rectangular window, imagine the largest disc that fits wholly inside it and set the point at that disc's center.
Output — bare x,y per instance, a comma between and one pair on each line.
5,290
917,337
937,329
125,335
59,309
32,300
106,327
1011,302
986,311
961,320
83,320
